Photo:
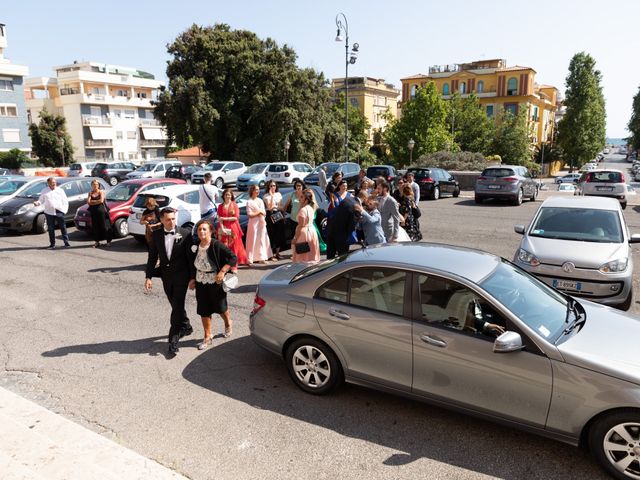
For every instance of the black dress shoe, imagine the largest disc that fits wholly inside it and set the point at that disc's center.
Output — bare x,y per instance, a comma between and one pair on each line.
186,332
173,350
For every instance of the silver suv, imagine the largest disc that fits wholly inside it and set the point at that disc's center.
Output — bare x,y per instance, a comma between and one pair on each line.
603,183
513,182
223,173
580,245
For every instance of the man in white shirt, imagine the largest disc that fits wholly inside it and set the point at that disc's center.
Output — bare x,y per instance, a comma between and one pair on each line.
414,186
322,177
208,198
56,205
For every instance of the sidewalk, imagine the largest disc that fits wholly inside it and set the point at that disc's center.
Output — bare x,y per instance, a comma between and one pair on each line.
37,444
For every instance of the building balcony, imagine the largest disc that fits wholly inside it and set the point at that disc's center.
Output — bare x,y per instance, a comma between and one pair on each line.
150,122
98,143
152,143
96,120
132,102
69,91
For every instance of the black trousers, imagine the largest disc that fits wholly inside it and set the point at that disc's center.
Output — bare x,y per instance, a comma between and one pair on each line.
336,246
176,292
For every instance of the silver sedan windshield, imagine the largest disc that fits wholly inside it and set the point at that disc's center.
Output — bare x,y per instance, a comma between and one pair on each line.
578,224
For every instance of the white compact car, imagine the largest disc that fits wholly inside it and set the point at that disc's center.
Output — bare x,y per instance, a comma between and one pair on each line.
153,169
288,172
223,173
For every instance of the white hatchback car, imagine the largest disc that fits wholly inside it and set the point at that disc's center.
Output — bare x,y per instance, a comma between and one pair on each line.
153,169
223,173
288,172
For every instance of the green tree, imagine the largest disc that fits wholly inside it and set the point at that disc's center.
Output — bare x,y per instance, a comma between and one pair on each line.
634,122
50,141
240,97
581,132
358,133
473,130
424,119
511,140
13,159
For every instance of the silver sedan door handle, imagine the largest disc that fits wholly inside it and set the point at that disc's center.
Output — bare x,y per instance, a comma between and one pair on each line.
433,341
334,312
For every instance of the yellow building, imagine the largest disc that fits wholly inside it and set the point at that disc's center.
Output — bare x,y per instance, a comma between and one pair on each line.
373,97
497,87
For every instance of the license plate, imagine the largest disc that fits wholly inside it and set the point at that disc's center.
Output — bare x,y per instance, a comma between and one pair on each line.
275,175
82,224
495,187
138,216
565,284
604,189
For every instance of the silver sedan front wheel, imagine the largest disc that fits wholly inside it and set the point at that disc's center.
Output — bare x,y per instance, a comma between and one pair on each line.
615,441
313,366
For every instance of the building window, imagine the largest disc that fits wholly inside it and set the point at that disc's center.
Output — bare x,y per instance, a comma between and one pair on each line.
6,85
129,114
141,94
463,87
132,135
121,156
122,93
8,111
512,86
133,155
489,111
511,108
480,87
119,136
535,114
117,113
11,135
445,89
414,88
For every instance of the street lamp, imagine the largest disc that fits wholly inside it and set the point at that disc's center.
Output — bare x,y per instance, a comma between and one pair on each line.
343,27
411,144
61,142
287,144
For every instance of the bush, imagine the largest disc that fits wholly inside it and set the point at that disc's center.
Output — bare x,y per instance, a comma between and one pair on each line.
456,161
13,159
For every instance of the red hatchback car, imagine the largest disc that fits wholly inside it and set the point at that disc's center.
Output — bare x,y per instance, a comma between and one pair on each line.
120,199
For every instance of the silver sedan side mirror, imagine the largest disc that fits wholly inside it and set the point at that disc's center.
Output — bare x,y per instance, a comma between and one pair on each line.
635,238
519,229
508,342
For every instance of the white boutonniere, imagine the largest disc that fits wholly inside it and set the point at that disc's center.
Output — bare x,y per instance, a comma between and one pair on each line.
178,237
194,248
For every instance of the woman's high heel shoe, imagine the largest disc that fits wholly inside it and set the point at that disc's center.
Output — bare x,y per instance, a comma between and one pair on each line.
207,342
228,331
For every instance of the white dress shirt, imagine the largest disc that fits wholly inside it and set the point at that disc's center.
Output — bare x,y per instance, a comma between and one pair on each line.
54,199
168,242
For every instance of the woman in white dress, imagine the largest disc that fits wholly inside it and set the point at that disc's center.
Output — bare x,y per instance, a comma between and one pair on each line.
257,241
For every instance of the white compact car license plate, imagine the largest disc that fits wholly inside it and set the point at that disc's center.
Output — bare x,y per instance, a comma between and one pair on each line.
568,285
275,175
82,224
604,189
495,187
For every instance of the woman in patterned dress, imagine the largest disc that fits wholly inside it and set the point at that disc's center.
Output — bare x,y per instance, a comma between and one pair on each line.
229,231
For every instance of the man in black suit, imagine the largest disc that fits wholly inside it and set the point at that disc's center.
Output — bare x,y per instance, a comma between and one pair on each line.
340,227
170,245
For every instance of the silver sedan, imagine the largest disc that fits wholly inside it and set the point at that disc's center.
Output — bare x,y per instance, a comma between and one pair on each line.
464,329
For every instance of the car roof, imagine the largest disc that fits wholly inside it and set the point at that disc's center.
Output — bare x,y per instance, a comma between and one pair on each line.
172,190
595,203
468,263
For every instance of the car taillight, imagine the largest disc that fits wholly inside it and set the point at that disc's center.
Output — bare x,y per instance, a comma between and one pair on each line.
426,180
103,172
258,303
510,179
482,179
389,178
621,178
588,178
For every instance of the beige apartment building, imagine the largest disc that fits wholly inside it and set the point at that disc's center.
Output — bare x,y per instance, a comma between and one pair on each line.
373,97
107,107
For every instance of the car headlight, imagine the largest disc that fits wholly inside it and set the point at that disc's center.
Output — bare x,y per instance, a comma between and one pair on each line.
619,265
528,258
24,209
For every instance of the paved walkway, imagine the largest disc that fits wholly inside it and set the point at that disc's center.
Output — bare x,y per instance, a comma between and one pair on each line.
37,444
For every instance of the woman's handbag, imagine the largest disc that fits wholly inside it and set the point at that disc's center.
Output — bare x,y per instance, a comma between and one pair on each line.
276,216
230,282
303,247
415,211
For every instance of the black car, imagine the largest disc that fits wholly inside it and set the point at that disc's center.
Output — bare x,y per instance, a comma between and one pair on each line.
286,192
435,182
387,172
21,215
182,171
112,173
349,173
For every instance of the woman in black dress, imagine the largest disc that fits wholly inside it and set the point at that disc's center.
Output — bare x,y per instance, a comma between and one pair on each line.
100,223
275,217
407,208
209,261
150,218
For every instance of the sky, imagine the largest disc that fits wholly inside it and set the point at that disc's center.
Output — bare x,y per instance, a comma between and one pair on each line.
397,39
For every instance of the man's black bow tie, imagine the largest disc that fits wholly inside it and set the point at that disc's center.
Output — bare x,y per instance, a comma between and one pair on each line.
172,232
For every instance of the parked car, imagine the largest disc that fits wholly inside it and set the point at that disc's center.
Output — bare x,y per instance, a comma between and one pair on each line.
463,329
21,215
288,172
630,190
511,182
567,187
435,182
580,245
286,192
568,178
113,172
604,183
388,172
5,171
12,185
223,173
254,175
119,200
80,169
606,151
349,173
183,172
153,169
587,167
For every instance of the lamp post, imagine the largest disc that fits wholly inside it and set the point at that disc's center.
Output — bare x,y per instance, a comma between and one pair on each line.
411,144
287,144
61,141
343,27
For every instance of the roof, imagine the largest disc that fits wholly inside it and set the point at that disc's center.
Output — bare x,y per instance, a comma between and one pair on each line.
464,262
189,152
595,203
